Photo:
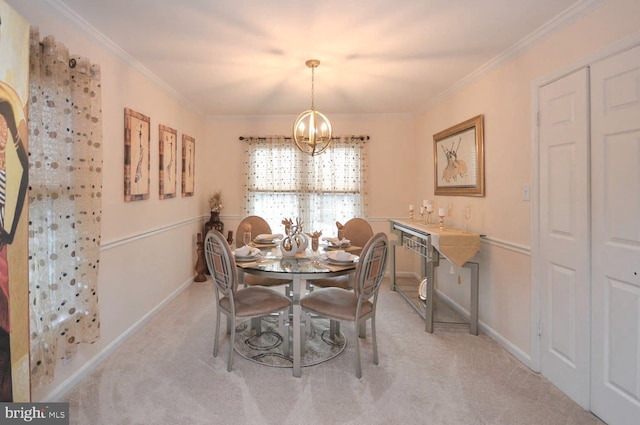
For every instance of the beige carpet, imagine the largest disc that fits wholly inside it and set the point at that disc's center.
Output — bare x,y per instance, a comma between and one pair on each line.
165,374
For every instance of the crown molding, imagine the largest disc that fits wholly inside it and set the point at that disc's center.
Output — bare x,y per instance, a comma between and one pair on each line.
578,9
350,117
68,14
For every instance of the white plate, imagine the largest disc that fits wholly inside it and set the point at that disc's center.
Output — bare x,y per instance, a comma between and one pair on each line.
342,245
422,289
253,253
342,262
333,256
251,258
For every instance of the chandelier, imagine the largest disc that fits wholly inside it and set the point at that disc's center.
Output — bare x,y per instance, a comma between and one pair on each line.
312,130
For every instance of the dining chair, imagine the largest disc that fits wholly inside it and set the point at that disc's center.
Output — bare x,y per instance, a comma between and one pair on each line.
358,231
248,303
258,226
357,305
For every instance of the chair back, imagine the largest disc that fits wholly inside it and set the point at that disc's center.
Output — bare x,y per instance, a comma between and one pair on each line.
258,226
221,264
358,231
371,267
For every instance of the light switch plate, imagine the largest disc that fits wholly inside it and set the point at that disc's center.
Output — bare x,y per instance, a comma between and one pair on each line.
526,192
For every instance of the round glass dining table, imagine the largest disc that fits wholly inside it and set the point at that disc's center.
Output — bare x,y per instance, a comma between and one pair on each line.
299,269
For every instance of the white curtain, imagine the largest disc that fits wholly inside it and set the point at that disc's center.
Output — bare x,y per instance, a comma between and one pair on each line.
282,182
65,185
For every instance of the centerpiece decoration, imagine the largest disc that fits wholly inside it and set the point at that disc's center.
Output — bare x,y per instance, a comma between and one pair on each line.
295,240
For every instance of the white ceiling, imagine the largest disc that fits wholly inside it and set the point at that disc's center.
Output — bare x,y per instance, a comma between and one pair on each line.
247,57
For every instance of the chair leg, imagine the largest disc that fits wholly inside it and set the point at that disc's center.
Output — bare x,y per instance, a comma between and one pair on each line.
215,341
373,339
229,325
358,368
231,341
256,324
284,331
362,332
334,329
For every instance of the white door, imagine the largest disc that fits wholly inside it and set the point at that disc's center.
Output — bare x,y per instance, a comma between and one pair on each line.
615,168
564,234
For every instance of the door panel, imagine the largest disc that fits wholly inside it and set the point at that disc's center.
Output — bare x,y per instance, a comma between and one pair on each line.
615,156
564,234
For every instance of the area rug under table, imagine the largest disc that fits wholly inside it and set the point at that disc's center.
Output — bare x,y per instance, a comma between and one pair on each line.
269,348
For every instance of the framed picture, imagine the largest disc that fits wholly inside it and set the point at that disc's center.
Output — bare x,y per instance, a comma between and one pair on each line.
188,165
15,382
168,147
458,154
136,155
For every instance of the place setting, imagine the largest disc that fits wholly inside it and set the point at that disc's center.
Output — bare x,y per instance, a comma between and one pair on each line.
246,254
265,240
337,243
337,260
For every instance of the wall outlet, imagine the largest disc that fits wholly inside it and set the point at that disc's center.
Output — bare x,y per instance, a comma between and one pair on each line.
526,192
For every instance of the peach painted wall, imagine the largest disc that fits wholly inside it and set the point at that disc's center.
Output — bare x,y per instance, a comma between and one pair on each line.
140,266
503,95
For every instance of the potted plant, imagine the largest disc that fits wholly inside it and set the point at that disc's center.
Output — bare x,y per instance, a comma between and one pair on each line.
215,205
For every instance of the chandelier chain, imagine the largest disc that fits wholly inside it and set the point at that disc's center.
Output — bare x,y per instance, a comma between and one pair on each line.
313,68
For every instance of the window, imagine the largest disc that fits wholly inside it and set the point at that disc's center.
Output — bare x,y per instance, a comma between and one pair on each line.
282,182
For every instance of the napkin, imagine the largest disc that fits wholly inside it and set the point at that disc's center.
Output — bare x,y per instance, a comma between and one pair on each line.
338,242
246,251
340,255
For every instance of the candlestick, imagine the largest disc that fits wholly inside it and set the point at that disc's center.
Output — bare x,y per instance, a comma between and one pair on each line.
201,265
441,213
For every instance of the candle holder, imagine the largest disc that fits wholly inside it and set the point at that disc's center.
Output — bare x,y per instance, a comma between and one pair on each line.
441,223
411,215
429,217
421,214
200,263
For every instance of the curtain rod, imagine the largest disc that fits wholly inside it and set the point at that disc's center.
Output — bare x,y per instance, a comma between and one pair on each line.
262,138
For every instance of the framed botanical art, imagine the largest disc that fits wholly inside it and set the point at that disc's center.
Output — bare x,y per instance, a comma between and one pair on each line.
168,147
136,155
458,154
188,165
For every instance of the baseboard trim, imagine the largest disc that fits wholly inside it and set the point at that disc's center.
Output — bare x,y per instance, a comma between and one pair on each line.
492,333
94,362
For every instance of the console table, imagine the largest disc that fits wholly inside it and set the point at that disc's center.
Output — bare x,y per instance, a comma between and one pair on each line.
430,243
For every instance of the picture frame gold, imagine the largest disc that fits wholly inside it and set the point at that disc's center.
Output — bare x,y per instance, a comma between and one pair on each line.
188,165
458,154
137,158
168,160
